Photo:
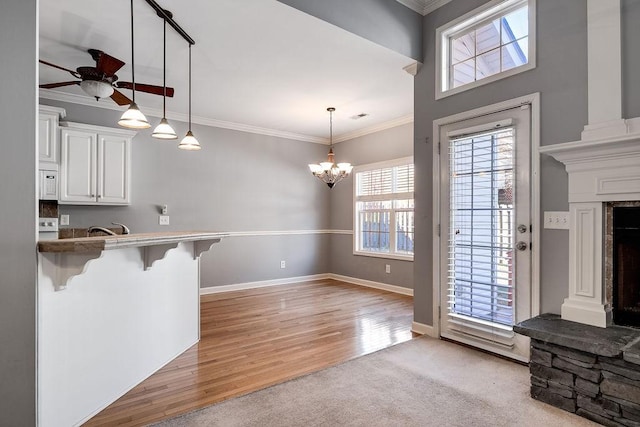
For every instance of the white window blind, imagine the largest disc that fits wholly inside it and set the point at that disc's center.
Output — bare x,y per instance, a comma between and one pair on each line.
481,202
384,221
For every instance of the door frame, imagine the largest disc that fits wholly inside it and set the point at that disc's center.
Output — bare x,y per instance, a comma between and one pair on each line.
534,101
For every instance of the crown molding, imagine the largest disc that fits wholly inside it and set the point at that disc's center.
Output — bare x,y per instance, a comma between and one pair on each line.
423,7
156,112
373,129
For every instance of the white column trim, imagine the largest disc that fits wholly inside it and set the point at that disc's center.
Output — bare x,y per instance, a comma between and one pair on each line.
585,303
604,62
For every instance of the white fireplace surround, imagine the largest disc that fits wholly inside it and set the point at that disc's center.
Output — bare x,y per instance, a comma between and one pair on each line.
603,167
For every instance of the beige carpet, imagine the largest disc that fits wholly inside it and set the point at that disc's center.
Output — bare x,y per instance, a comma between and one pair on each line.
423,382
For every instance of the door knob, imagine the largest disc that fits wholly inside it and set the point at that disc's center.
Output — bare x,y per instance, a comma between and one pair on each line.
522,228
521,246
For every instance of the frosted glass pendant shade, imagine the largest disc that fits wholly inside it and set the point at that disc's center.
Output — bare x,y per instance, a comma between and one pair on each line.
164,130
133,118
189,142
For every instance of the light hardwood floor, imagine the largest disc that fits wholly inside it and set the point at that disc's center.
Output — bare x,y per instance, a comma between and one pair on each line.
256,338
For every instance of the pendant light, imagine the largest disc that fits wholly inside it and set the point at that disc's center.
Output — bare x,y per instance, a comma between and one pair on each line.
133,117
328,172
164,129
189,142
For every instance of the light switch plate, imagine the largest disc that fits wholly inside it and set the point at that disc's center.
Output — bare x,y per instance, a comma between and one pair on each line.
64,219
557,220
163,220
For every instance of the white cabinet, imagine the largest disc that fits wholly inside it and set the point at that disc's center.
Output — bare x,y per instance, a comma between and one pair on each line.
95,165
48,136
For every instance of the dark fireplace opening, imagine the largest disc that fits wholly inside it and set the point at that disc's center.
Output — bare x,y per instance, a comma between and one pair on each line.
626,265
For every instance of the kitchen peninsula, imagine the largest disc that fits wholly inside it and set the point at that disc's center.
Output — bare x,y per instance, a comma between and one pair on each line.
111,311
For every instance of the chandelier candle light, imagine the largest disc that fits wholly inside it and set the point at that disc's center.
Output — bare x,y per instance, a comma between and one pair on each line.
133,117
328,172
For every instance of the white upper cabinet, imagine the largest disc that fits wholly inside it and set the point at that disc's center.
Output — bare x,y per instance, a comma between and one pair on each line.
48,149
95,165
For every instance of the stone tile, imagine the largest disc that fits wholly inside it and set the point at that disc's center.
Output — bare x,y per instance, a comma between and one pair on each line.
592,375
552,374
620,378
563,351
594,406
587,387
620,390
561,389
612,408
597,418
591,339
577,362
627,422
624,404
632,352
625,372
538,382
544,395
541,357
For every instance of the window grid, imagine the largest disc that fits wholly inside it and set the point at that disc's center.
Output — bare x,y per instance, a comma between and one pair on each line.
384,211
485,44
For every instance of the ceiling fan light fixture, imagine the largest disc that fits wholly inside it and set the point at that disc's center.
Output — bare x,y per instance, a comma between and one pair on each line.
96,88
189,142
133,118
164,130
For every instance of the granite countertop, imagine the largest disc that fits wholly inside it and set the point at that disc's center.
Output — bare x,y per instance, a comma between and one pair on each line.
100,243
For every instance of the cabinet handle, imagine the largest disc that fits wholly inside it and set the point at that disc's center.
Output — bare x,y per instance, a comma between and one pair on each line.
99,196
93,195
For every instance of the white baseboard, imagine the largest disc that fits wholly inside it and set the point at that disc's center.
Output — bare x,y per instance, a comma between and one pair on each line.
422,329
371,284
261,284
302,279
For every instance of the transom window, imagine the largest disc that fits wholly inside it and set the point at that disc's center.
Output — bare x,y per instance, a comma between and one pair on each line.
487,44
383,198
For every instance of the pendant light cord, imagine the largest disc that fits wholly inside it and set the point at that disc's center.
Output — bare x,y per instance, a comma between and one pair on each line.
133,73
330,129
189,87
164,70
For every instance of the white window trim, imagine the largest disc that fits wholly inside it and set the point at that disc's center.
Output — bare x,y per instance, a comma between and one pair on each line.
444,32
362,168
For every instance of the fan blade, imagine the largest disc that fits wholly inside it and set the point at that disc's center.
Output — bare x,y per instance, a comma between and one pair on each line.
73,73
156,90
54,85
106,64
119,98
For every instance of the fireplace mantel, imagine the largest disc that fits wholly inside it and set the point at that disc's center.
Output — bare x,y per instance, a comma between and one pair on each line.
604,169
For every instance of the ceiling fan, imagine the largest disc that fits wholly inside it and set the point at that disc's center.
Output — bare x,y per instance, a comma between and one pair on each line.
101,81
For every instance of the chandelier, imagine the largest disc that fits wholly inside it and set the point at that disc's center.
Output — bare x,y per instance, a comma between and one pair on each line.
329,172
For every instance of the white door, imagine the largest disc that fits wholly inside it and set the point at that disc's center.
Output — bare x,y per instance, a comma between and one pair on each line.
113,169
485,219
77,166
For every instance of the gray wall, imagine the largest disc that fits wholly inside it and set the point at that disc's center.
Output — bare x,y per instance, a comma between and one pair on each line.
630,58
18,40
238,182
389,144
385,22
561,77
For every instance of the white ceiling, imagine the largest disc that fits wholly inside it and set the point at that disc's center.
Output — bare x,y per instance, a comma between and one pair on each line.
258,65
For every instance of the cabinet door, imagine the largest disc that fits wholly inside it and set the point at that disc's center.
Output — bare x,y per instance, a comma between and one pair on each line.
114,153
48,138
78,166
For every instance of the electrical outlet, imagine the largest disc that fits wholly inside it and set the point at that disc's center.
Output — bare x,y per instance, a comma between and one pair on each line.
556,220
64,219
387,268
283,264
163,220
164,210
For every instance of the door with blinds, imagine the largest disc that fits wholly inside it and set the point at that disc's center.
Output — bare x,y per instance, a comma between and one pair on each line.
485,234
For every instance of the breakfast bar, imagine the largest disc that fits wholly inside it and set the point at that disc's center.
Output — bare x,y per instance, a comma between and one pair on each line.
112,310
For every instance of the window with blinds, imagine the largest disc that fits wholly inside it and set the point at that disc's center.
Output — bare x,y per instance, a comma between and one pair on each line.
383,199
481,203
